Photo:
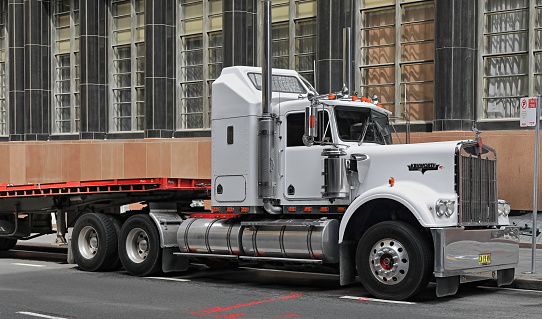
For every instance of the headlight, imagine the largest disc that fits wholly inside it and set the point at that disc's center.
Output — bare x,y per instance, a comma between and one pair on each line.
504,207
445,207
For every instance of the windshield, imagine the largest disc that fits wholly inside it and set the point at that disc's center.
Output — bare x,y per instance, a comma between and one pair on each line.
362,125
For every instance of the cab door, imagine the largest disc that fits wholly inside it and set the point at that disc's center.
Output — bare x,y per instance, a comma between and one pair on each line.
303,165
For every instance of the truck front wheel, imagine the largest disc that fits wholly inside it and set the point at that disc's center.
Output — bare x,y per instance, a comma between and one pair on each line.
94,243
394,261
7,243
139,246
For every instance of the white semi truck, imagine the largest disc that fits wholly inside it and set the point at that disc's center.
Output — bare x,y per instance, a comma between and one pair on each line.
297,179
312,180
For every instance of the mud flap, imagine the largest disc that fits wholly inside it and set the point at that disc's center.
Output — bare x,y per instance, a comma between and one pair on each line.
447,286
505,277
347,269
171,262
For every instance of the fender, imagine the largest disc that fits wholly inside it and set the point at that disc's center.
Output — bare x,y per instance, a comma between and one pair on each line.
419,199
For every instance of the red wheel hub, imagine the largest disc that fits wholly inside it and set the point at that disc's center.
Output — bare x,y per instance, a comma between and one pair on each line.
386,261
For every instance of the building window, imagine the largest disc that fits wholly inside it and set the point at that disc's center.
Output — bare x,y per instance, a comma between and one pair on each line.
3,73
305,48
294,26
66,101
506,53
128,61
397,56
200,61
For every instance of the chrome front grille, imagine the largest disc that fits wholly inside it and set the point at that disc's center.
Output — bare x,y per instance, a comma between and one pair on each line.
477,186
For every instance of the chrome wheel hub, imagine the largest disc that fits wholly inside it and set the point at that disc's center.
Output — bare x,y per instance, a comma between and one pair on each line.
389,261
137,245
88,242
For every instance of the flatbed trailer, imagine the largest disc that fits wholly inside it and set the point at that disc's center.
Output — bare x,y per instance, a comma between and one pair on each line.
25,209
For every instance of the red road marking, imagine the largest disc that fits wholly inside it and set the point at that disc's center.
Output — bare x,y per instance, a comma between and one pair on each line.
209,311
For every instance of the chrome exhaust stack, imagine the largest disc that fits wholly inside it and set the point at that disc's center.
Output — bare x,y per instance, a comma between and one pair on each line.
266,125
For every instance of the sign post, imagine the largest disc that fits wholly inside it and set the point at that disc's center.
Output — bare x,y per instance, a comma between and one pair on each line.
529,115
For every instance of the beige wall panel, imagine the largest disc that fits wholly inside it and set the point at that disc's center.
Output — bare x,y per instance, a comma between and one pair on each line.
184,159
71,163
166,160
204,159
91,161
154,159
52,162
135,160
112,160
34,163
4,159
17,164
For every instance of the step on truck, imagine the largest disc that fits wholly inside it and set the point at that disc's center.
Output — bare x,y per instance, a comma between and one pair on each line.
298,179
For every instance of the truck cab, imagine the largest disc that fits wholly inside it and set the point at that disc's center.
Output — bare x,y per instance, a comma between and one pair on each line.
394,214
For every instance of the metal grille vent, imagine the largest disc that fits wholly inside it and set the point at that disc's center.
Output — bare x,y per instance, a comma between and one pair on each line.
477,186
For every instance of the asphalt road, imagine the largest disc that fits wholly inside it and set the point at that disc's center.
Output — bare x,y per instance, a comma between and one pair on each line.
42,285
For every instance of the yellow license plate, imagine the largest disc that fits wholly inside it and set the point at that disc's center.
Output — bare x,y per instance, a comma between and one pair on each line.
484,259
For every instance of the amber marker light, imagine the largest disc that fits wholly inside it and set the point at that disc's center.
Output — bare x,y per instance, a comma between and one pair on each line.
391,181
331,96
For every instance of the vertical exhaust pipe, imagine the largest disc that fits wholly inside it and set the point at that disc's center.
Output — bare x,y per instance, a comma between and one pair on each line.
347,59
266,125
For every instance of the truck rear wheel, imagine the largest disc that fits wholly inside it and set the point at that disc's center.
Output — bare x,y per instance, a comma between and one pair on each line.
394,261
139,246
7,243
94,243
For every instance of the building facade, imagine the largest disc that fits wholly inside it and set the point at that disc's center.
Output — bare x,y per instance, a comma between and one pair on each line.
95,89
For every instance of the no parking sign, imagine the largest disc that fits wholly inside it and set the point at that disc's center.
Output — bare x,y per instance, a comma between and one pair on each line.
527,111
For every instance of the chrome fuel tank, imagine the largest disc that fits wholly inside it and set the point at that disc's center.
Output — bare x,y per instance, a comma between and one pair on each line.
293,238
303,239
209,236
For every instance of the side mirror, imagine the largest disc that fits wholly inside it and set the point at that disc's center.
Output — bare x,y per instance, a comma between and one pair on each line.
311,124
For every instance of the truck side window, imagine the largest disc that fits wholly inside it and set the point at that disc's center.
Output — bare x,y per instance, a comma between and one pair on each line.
295,128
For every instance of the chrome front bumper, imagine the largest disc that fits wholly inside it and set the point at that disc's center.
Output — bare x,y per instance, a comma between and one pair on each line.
475,254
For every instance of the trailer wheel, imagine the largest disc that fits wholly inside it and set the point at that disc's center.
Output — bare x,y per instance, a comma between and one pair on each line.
94,243
7,243
394,261
139,246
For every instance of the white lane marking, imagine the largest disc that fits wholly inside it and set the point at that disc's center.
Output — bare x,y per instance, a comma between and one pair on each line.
378,300
29,265
39,315
170,279
512,289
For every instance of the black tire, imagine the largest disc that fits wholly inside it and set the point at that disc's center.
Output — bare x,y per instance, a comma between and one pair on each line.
94,243
139,246
394,261
7,243
117,221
